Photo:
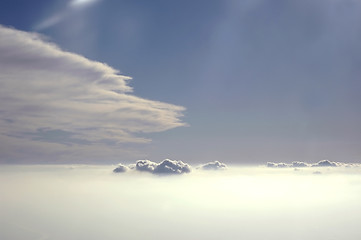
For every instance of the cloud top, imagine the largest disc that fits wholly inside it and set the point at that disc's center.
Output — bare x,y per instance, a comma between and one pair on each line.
52,96
168,166
145,166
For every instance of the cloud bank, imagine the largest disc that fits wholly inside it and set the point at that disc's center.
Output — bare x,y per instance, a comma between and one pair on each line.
59,98
322,163
167,166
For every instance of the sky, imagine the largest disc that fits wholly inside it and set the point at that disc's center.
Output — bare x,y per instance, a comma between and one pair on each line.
242,82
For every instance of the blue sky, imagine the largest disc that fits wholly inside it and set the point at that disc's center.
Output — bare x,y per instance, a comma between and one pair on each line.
256,80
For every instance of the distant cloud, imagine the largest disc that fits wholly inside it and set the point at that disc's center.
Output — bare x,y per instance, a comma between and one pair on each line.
300,164
120,168
58,99
167,166
216,165
322,163
145,166
277,165
327,163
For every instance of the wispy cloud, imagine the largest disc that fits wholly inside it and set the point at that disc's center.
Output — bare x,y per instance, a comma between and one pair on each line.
73,6
81,3
52,96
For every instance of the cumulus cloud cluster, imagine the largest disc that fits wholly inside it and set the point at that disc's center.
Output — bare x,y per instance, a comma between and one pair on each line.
166,166
53,96
322,163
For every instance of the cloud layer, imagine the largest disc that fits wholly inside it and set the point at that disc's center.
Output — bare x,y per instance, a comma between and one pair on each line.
56,97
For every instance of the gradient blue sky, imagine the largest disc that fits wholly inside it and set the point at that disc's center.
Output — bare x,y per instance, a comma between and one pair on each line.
261,80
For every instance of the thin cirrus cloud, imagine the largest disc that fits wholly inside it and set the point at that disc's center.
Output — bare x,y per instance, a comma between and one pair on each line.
58,17
81,3
56,97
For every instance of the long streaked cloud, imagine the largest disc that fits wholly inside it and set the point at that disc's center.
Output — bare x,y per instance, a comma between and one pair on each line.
60,98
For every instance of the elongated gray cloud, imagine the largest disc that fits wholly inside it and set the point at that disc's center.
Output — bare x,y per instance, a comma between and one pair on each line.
58,99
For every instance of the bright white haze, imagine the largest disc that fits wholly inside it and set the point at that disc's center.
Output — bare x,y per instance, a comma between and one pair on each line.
92,203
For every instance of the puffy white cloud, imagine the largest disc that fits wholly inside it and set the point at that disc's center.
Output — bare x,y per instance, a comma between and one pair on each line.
60,98
145,166
216,165
167,166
